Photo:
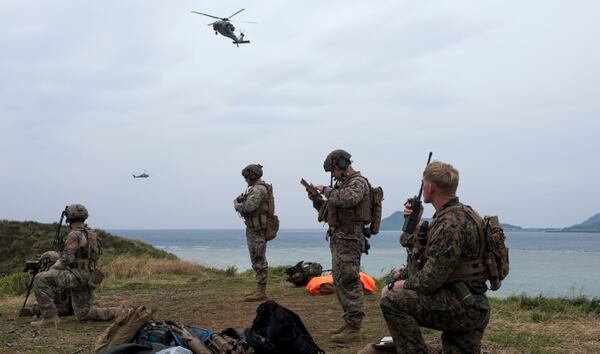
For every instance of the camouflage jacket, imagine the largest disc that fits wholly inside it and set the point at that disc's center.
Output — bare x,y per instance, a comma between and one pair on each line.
346,195
450,236
76,246
251,202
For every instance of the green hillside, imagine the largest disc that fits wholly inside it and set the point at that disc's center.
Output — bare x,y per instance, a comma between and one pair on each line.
590,225
27,240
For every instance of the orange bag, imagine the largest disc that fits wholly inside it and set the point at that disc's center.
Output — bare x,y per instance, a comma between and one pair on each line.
323,285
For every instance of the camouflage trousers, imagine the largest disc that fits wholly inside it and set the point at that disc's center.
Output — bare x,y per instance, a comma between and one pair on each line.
462,326
82,296
257,246
345,263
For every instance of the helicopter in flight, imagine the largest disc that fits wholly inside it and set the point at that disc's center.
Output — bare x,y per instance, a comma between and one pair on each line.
142,175
225,28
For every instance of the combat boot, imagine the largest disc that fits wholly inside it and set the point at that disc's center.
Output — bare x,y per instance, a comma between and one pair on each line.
45,321
338,330
348,335
259,295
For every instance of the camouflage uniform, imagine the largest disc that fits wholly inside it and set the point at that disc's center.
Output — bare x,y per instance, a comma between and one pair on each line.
429,297
72,272
256,239
347,242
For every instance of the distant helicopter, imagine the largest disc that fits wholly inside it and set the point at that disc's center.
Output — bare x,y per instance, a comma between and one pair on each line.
224,27
143,175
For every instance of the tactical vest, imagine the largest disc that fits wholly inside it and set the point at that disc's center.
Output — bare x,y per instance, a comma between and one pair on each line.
88,254
258,219
349,220
467,269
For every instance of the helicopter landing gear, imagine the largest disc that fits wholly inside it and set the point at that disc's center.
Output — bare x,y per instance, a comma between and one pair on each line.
216,33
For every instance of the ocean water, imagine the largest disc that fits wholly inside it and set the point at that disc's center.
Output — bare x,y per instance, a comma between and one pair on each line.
547,263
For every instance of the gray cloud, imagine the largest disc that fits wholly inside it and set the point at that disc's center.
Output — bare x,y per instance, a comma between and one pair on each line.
91,92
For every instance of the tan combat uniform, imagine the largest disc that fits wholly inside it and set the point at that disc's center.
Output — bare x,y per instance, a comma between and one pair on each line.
72,272
255,208
347,210
431,297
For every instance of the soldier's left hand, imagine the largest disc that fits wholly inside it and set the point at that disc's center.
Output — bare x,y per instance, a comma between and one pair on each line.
320,188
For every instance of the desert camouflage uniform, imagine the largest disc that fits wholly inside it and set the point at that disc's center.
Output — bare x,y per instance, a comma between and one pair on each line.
347,243
256,239
70,276
427,299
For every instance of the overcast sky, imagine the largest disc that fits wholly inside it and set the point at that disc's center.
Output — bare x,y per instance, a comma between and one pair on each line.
91,92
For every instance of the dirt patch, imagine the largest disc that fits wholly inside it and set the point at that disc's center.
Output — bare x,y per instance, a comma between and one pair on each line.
216,304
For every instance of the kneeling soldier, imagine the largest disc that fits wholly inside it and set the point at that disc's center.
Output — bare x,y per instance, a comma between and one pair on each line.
444,288
76,270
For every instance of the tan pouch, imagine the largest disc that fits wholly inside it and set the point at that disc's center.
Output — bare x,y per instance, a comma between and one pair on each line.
272,227
96,278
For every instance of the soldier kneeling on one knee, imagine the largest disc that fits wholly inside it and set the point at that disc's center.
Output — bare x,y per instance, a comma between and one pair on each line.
76,270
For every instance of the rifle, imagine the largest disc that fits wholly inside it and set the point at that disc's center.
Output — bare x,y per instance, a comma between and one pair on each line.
309,187
58,240
410,222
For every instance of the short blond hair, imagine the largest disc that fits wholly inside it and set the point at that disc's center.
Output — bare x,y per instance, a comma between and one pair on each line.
443,175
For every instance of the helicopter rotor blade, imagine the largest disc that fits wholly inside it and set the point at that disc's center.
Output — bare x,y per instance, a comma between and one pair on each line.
235,14
251,22
200,13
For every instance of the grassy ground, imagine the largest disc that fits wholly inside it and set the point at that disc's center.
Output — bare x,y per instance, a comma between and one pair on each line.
212,299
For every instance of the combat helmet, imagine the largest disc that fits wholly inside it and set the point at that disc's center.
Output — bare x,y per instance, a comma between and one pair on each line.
252,172
339,158
76,212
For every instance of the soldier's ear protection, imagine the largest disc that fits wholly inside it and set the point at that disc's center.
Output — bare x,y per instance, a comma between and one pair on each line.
342,162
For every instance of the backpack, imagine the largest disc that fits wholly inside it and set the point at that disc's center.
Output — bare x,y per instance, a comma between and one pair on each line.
303,272
376,209
493,247
124,328
156,332
496,251
277,330
272,219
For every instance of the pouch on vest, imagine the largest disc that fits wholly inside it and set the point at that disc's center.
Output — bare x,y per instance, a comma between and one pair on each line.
376,209
497,252
492,263
272,227
95,279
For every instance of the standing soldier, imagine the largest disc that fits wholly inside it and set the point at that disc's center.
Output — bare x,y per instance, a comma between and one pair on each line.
347,210
444,288
257,207
76,270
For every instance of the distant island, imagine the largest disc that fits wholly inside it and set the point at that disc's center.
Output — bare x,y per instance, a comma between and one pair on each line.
396,220
590,225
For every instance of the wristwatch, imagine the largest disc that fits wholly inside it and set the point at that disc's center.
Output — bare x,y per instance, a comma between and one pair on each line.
390,286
